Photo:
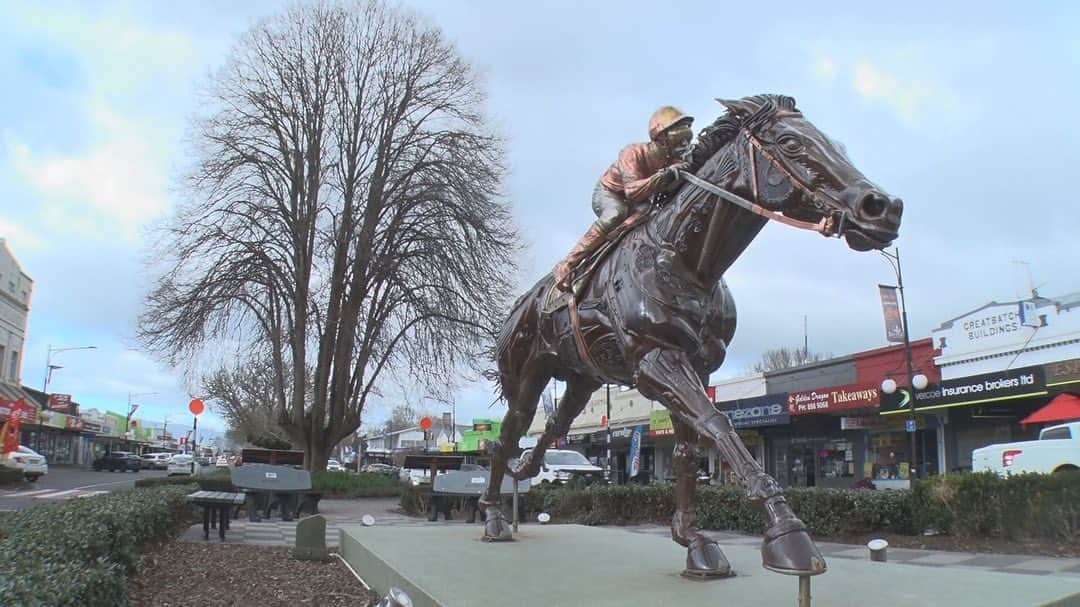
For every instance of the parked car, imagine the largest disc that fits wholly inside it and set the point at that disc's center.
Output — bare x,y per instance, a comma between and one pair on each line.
118,460
156,461
380,469
180,464
33,464
1056,451
334,466
561,465
222,462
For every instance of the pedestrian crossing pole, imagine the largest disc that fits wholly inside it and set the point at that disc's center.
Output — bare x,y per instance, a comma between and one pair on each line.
196,407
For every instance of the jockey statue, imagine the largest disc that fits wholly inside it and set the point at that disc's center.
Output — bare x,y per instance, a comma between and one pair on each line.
642,169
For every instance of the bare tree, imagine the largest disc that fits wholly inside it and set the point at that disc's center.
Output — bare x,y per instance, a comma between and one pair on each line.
243,393
784,357
343,215
402,417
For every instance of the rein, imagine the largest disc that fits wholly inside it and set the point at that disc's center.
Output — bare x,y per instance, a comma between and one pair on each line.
827,226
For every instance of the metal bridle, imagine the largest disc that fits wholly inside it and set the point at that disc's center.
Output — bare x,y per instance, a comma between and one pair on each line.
830,224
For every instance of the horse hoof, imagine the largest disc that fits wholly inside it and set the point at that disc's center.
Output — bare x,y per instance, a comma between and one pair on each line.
791,553
496,528
523,468
704,559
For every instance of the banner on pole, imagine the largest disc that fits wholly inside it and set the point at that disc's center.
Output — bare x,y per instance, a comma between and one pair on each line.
635,452
894,326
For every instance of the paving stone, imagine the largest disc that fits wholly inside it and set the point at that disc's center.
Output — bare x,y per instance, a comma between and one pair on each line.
992,561
1023,571
941,558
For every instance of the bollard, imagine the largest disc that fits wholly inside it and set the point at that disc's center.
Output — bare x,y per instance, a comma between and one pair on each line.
395,598
878,550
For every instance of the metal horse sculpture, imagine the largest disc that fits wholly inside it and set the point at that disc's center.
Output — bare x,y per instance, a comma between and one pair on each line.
656,313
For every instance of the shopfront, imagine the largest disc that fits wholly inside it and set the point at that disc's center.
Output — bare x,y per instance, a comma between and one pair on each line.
751,418
976,411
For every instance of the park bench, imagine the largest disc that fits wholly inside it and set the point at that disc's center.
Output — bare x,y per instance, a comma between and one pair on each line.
265,486
216,506
470,485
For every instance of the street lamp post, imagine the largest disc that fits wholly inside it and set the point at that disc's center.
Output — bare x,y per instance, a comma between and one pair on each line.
610,465
130,412
914,381
49,368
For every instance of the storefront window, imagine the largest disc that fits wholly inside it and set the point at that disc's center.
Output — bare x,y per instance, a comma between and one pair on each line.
836,459
888,456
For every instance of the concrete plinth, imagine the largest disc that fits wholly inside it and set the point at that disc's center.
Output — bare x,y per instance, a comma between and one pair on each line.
572,566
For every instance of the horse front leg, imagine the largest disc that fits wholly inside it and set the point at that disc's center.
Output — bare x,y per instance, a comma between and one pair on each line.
519,415
703,555
668,376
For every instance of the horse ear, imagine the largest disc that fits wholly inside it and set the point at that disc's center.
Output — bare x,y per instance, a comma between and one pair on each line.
734,106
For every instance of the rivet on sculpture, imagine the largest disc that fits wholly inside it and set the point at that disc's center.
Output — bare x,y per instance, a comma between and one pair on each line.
643,303
311,539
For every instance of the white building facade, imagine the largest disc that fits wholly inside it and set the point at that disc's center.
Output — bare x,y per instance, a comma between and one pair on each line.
16,290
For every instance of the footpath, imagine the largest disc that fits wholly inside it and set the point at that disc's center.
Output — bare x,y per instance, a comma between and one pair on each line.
350,512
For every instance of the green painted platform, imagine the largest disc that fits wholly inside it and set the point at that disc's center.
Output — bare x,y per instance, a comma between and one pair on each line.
576,566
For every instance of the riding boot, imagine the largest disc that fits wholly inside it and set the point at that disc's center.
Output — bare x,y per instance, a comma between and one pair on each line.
588,243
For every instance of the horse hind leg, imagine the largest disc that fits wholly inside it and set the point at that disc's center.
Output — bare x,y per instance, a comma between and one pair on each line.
576,396
668,376
519,415
704,559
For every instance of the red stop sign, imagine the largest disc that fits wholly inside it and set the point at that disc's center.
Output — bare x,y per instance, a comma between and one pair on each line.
196,407
425,423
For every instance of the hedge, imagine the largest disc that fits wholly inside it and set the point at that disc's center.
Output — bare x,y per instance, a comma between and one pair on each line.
218,481
965,505
330,484
79,552
347,484
987,505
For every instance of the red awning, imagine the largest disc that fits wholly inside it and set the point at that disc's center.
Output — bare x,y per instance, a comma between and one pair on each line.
1065,407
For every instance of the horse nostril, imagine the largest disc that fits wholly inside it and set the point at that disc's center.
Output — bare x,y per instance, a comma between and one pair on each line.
873,205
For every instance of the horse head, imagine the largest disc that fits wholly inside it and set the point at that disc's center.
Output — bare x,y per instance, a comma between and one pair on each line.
788,166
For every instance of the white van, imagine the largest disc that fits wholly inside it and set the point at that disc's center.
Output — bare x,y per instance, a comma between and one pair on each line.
561,465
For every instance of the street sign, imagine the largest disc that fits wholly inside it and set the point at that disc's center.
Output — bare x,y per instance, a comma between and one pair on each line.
910,425
425,423
196,407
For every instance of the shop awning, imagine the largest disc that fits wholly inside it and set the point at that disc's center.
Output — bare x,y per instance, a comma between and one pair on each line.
1064,407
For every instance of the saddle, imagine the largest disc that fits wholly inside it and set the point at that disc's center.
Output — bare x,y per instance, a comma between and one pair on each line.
582,274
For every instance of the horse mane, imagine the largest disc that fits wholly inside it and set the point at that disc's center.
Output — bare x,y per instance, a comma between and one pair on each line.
748,112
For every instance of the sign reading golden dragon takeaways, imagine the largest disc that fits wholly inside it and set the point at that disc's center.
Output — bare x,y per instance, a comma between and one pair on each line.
838,398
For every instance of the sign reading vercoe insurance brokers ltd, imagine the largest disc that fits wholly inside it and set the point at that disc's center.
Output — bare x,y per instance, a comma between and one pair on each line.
831,400
1013,383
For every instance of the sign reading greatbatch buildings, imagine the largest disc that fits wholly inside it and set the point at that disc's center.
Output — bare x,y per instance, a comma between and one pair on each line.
769,410
831,400
988,387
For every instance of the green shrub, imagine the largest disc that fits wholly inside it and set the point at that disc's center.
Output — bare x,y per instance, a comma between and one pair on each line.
987,505
78,552
347,484
827,512
218,481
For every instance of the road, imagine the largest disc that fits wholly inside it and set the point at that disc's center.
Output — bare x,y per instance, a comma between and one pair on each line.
63,483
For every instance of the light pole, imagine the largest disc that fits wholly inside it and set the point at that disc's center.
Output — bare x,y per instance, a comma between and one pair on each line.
130,411
915,382
610,464
49,368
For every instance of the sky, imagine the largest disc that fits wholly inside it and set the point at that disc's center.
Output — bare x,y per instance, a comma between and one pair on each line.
965,110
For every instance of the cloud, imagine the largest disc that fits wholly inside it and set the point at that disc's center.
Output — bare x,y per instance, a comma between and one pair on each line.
19,237
825,69
905,98
114,186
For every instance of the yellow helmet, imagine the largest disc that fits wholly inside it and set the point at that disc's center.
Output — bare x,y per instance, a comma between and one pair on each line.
665,118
